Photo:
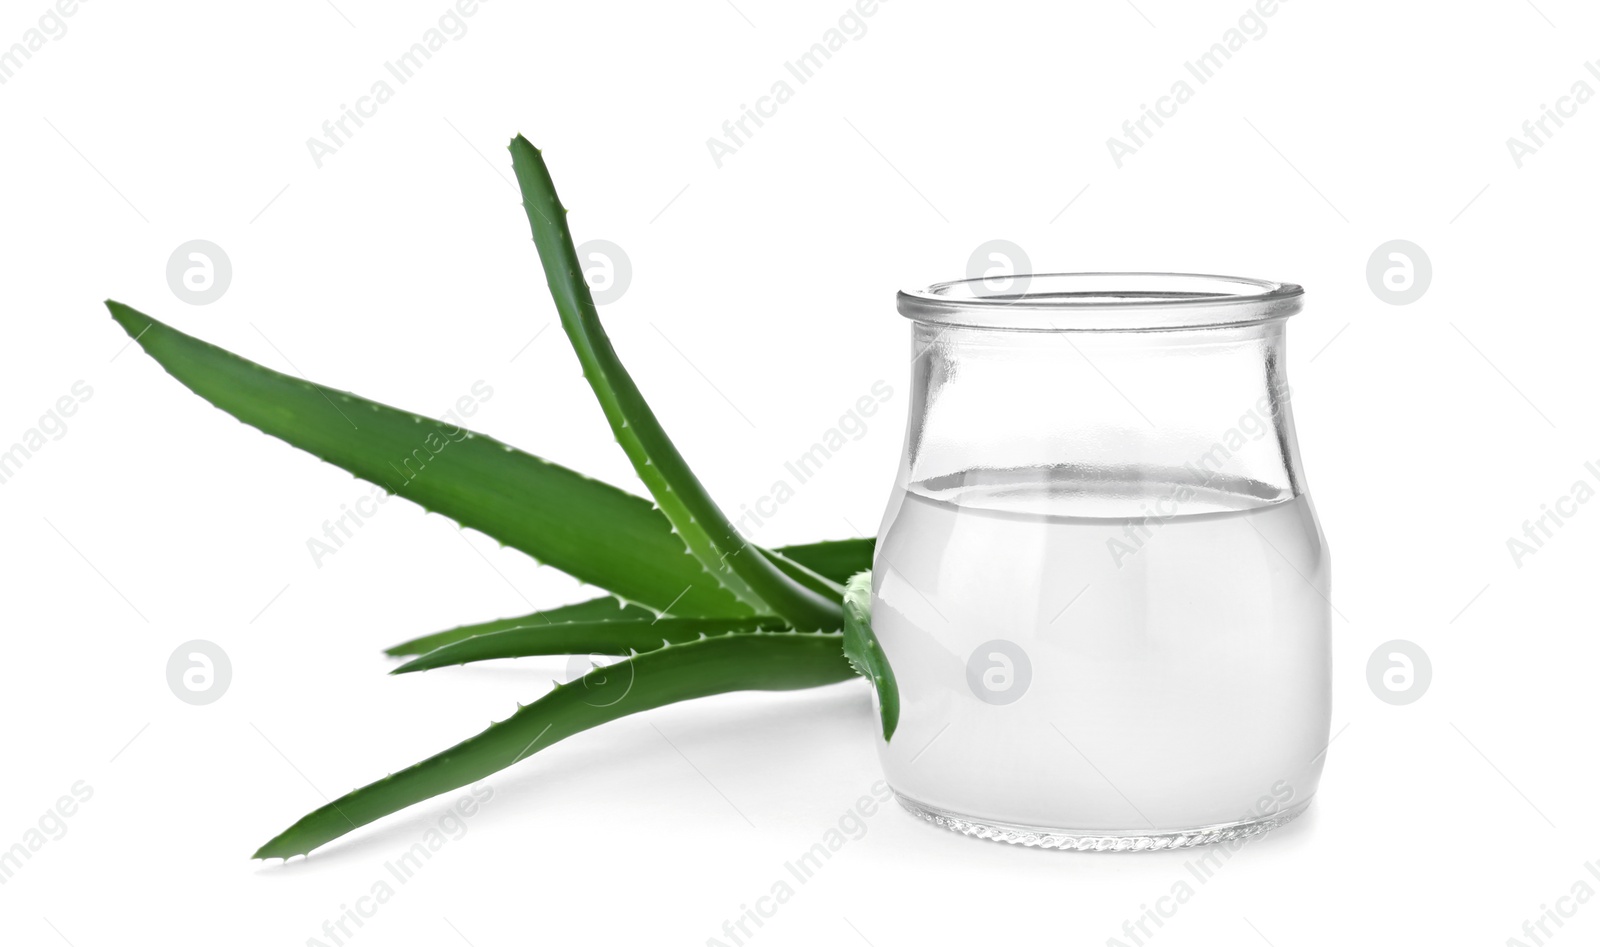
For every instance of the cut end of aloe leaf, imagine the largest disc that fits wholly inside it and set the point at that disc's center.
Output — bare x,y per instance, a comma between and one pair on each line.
858,591
865,654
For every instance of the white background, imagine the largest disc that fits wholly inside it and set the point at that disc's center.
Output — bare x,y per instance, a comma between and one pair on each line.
760,309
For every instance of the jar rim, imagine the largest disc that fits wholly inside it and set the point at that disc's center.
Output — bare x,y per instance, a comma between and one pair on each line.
1102,302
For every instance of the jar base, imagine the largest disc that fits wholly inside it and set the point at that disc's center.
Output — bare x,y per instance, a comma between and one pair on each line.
1080,841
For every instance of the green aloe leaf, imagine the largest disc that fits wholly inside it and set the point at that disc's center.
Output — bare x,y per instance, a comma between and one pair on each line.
804,575
596,610
865,654
836,560
736,662
743,569
598,637
587,529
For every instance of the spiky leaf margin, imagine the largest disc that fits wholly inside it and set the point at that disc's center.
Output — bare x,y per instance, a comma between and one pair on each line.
865,654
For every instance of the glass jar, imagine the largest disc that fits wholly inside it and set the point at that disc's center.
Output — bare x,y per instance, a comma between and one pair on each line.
1100,581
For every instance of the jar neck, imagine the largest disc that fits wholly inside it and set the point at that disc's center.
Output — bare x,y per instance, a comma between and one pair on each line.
1096,423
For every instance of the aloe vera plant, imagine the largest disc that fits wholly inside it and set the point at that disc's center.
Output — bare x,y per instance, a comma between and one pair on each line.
694,609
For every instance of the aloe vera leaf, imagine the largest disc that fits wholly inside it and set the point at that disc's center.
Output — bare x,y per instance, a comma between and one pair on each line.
600,637
753,577
865,654
595,610
590,530
672,673
836,560
804,575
